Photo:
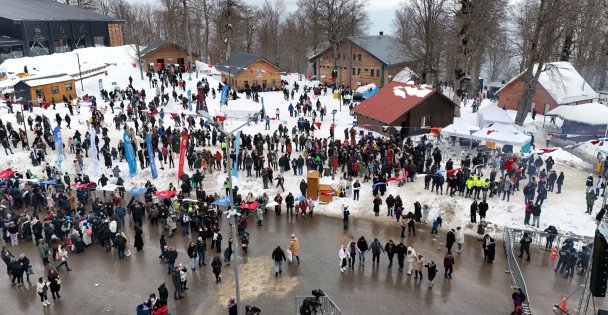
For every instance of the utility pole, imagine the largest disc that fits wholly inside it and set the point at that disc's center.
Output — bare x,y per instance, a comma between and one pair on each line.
80,72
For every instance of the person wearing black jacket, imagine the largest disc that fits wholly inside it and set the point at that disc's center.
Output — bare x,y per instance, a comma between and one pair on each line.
560,182
401,250
362,248
356,189
278,255
390,204
450,240
390,249
483,209
303,187
163,294
524,246
289,202
552,231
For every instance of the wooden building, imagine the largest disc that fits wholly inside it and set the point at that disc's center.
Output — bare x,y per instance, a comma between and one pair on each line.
558,84
162,53
41,27
46,88
404,108
244,70
582,122
362,60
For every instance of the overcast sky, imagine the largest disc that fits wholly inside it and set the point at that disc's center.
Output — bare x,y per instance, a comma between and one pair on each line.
380,12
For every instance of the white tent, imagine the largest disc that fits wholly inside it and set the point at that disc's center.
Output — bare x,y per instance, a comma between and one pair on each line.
493,114
501,134
460,128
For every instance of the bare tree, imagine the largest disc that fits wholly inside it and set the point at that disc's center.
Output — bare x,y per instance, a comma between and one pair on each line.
549,22
418,25
270,22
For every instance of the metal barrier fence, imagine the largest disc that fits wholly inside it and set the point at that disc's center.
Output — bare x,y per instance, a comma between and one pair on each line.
541,241
327,306
516,274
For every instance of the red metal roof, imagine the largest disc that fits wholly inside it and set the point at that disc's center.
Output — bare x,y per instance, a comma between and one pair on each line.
393,101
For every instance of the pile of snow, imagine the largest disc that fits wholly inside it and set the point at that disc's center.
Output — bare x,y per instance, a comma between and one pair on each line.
565,157
366,88
590,113
90,58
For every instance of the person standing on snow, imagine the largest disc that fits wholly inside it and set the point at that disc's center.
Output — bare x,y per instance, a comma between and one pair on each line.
524,246
591,198
459,239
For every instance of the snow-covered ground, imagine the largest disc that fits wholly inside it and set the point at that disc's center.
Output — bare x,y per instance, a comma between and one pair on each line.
565,211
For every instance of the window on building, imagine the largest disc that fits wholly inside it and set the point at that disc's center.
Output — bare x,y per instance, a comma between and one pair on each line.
354,57
359,57
273,82
68,86
358,71
378,72
354,71
246,83
371,73
55,90
40,93
533,106
425,121
100,41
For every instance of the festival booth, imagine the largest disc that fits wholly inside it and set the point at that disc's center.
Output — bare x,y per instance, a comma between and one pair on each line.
503,135
492,114
459,129
582,122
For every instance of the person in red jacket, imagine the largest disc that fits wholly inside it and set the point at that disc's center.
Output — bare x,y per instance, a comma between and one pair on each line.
448,263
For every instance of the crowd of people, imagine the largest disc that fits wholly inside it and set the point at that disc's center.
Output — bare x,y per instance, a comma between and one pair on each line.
63,213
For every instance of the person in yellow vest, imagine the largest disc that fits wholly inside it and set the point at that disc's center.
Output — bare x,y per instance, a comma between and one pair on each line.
478,184
485,186
470,183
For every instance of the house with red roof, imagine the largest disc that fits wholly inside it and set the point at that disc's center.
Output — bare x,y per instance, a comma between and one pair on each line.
405,108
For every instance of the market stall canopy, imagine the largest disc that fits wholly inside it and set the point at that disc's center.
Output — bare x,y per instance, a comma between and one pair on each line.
460,128
493,114
502,134
370,93
590,113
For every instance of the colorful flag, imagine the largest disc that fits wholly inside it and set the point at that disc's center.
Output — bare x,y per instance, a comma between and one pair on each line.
130,153
95,160
237,144
151,157
58,145
182,154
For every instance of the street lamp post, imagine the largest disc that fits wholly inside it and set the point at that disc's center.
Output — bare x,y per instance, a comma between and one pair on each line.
229,135
333,142
79,72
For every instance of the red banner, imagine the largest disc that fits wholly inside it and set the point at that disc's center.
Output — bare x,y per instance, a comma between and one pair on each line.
182,155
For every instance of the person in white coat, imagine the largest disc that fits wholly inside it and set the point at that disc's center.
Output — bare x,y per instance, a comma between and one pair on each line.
343,255
459,239
411,260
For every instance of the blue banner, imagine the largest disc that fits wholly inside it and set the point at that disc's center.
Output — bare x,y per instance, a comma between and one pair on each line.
58,145
151,157
95,160
130,154
237,144
224,99
189,94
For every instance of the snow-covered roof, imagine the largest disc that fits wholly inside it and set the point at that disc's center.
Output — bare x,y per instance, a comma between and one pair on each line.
366,88
562,82
405,75
492,114
38,81
590,113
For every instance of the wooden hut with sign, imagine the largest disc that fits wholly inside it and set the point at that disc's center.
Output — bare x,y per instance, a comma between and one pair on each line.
243,70
47,88
161,53
407,109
